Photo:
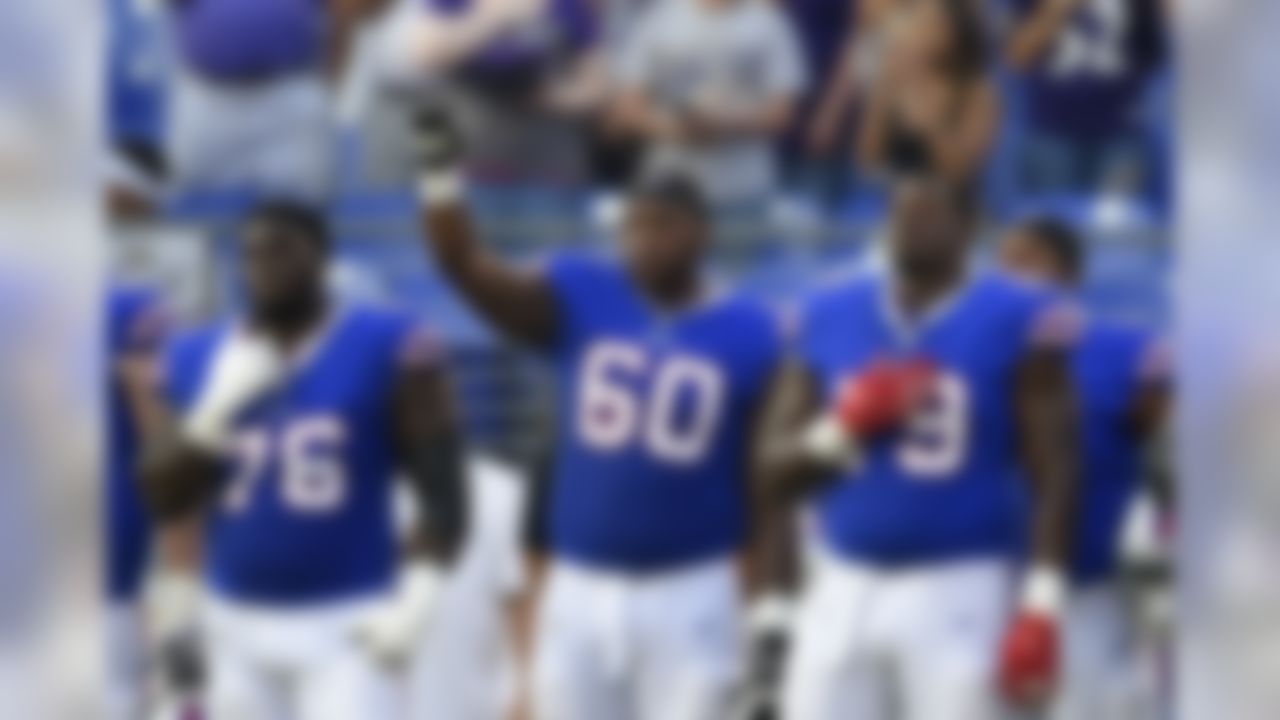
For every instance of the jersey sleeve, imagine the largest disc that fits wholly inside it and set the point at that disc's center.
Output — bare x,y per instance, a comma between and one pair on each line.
1154,360
139,324
180,369
414,345
1051,321
146,329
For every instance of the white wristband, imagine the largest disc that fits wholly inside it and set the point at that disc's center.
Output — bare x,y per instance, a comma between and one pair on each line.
826,441
771,613
441,187
1044,591
208,429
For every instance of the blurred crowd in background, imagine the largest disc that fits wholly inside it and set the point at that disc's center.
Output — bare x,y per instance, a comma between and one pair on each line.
786,111
793,115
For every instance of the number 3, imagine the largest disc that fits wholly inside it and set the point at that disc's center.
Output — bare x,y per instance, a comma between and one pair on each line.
937,435
610,415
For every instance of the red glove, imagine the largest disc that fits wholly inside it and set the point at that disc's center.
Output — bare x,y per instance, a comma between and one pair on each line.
882,396
1029,660
1029,653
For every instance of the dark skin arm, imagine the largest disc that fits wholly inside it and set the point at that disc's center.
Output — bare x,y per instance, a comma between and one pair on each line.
782,470
430,450
1048,421
772,558
520,303
1151,411
179,543
177,478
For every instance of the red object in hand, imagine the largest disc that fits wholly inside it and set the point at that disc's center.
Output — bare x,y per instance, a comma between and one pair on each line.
882,396
1029,659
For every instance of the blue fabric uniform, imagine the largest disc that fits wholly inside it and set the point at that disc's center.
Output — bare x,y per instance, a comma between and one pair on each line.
946,485
655,415
304,515
135,327
1111,365
1091,80
246,39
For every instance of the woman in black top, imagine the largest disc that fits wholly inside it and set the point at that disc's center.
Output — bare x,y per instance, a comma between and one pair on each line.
934,107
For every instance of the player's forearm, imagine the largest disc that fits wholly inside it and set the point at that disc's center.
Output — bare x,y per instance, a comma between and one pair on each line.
1050,419
437,471
793,454
177,479
520,305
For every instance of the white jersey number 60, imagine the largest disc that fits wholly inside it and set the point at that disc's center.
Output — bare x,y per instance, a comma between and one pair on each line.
611,414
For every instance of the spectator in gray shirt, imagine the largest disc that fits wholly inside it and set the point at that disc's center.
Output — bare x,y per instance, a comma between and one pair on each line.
709,85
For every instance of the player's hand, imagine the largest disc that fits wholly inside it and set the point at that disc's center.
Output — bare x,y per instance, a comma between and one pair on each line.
245,368
769,621
172,607
1029,653
394,631
437,143
882,396
439,150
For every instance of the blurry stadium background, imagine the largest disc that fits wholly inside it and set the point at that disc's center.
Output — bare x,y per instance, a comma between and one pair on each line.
177,232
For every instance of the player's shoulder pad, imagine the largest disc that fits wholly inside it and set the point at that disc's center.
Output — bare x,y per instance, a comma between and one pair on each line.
837,292
403,334
572,263
1051,316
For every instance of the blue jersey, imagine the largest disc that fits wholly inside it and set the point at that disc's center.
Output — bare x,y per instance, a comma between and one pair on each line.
304,514
946,485
655,412
135,326
1112,363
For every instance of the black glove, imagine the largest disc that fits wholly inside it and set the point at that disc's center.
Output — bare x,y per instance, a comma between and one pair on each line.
438,142
760,698
182,664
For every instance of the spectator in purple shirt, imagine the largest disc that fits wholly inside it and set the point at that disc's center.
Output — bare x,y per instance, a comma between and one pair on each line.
1086,67
251,103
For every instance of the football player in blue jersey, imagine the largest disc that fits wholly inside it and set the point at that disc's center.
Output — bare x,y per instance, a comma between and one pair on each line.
136,325
295,419
918,397
658,382
1122,377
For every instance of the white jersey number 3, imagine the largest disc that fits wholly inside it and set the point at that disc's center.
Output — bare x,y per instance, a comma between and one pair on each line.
612,415
937,435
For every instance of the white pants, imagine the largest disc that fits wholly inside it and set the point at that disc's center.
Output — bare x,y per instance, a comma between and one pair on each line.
1104,678
659,647
290,664
916,644
275,137
126,664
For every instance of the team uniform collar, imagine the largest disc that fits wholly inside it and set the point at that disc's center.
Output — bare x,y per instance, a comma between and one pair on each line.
906,329
304,352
